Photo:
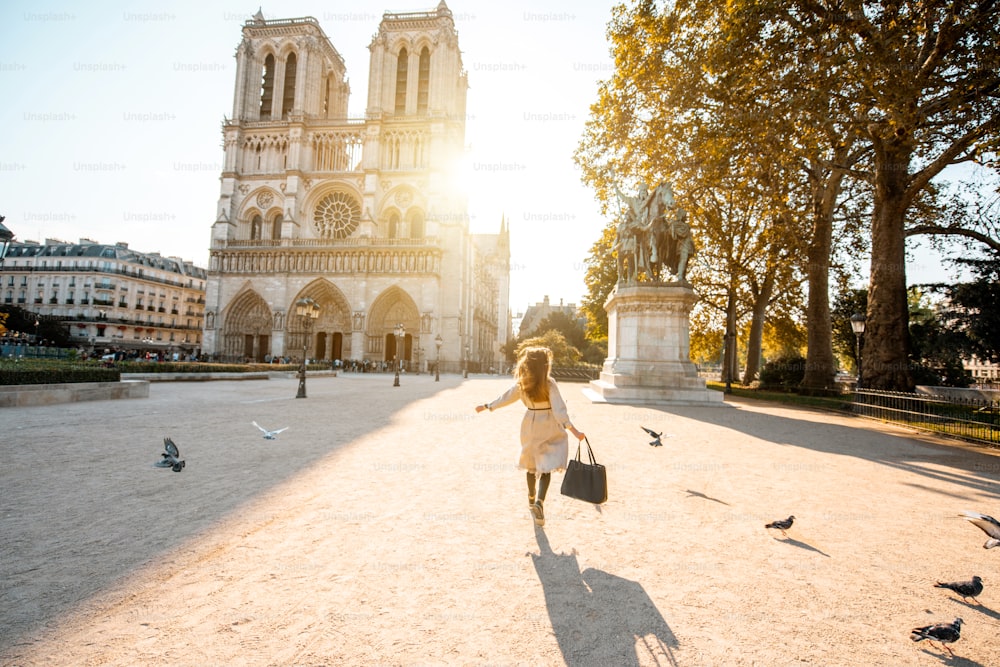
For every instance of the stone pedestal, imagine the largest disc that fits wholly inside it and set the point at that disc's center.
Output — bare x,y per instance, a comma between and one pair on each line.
649,360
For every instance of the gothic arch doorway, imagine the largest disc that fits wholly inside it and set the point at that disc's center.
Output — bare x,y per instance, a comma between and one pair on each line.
246,330
324,338
392,308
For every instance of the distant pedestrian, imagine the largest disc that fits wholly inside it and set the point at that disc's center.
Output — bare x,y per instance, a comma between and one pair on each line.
544,445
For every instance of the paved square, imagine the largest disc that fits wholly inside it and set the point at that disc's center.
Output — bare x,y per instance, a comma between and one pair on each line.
389,525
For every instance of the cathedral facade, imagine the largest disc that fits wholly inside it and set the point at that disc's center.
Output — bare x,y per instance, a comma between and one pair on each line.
360,215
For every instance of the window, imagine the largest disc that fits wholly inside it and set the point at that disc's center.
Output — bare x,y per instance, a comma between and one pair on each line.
267,88
423,80
401,69
416,225
288,96
337,216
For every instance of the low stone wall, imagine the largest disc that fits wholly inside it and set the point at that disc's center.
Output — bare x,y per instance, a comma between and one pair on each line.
24,395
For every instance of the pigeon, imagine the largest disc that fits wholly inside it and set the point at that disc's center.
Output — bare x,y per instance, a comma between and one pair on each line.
269,435
945,633
967,589
171,457
988,525
656,436
782,525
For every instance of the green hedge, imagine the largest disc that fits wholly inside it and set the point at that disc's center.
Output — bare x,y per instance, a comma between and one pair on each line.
19,373
54,371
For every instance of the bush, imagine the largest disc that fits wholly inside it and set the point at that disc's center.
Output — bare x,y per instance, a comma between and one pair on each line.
783,374
51,372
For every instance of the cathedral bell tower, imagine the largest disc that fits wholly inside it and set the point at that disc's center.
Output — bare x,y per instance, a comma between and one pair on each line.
365,216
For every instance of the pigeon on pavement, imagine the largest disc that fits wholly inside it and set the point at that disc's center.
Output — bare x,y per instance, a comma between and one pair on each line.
945,633
782,525
171,457
656,437
967,589
269,435
988,525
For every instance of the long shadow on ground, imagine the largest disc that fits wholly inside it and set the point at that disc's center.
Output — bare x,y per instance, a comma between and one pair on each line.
600,618
95,494
976,470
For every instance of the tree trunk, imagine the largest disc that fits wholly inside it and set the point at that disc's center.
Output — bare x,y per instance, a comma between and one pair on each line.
885,362
757,328
821,366
730,372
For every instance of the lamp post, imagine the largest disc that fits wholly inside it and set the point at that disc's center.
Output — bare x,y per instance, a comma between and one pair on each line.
858,324
6,236
399,332
438,341
465,362
308,310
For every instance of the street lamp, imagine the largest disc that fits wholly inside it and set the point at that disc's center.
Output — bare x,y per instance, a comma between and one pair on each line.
6,236
858,324
465,362
399,332
308,310
438,341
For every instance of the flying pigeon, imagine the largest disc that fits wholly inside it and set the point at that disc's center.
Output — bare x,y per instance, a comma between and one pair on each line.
945,633
988,525
269,435
782,525
171,457
967,589
656,437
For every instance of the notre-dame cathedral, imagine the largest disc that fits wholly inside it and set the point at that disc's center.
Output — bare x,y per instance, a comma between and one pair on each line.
361,215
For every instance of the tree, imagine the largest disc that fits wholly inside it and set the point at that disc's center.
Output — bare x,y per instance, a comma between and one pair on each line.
698,97
973,308
563,354
935,350
600,278
571,328
930,74
47,327
848,303
890,93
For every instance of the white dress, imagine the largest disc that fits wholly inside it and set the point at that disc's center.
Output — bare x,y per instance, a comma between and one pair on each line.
544,443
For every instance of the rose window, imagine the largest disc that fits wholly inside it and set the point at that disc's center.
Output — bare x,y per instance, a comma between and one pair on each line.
337,216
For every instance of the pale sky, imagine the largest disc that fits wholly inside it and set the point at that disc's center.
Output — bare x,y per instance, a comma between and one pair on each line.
113,112
112,115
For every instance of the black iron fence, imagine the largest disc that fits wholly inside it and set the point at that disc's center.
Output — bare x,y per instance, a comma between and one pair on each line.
972,418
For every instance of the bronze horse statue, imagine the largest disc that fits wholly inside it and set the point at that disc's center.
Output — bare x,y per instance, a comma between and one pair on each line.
670,243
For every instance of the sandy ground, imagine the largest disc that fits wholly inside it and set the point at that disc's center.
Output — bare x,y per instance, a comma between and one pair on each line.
389,526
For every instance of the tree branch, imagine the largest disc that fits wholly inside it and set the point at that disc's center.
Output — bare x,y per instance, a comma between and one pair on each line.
935,230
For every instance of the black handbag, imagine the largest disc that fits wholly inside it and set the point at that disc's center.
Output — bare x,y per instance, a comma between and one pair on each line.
585,481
